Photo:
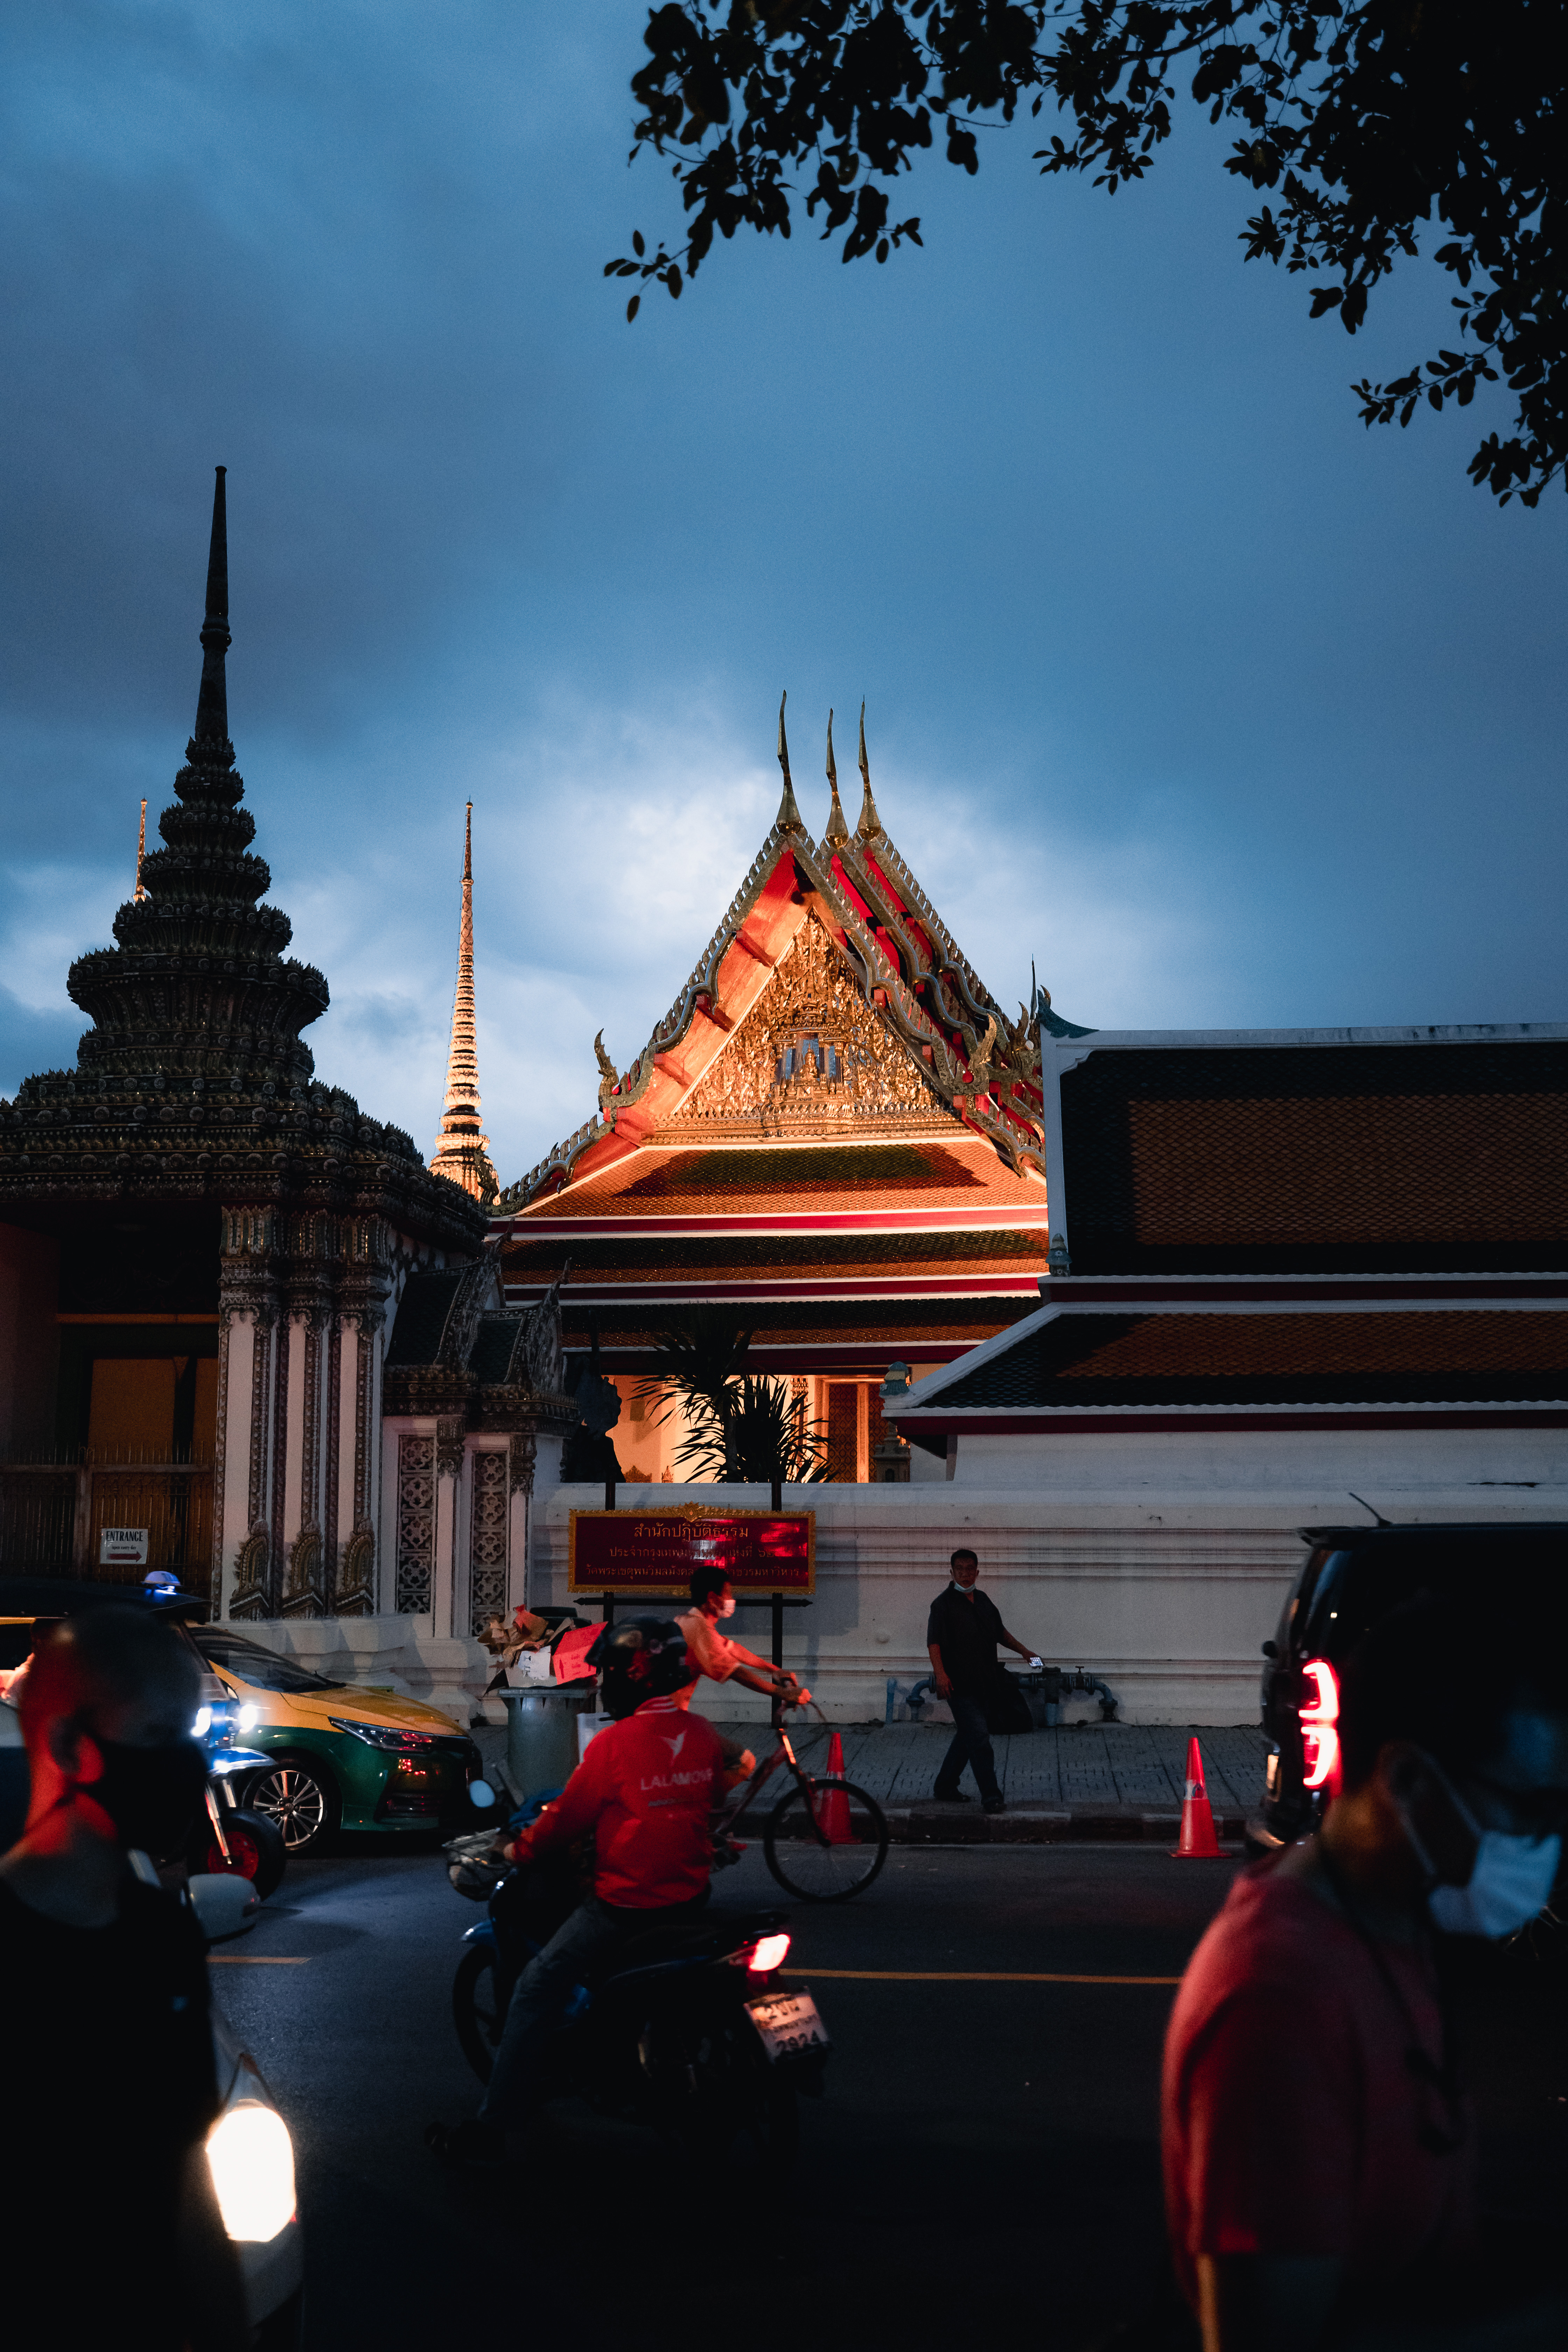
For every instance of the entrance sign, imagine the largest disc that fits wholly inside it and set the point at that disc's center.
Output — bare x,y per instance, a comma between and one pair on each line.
656,1551
122,1548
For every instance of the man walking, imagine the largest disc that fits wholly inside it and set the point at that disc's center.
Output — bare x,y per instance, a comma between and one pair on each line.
962,1634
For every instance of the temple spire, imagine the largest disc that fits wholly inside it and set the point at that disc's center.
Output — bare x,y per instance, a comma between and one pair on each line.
788,819
837,830
462,1152
212,702
141,852
870,824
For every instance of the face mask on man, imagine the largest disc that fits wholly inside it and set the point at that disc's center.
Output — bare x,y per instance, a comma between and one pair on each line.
727,1606
153,1795
1510,1883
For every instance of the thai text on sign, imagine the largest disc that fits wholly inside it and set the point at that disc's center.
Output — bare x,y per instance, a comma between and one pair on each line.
656,1551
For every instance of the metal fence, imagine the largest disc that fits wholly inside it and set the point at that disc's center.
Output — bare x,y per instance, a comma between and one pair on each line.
53,1516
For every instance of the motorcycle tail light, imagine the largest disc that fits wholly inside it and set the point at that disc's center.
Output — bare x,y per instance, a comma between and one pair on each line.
768,1953
1319,1714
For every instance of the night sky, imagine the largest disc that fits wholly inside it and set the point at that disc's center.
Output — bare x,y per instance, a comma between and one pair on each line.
1178,681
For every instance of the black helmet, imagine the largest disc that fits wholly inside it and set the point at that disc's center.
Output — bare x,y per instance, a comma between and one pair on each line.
640,1658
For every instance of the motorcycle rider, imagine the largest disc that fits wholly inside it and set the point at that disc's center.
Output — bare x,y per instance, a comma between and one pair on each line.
644,1791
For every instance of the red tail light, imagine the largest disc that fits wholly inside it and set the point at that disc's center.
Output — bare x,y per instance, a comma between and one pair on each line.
760,1958
1319,1714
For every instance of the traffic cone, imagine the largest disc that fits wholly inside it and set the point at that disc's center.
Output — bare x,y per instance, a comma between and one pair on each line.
833,1813
1198,1842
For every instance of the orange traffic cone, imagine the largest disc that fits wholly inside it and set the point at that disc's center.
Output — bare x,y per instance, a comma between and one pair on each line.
833,1813
1198,1842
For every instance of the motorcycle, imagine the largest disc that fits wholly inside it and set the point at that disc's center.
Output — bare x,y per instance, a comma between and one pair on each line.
692,2030
228,1837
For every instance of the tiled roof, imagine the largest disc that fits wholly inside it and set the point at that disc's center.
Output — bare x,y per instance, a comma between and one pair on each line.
421,1318
1301,1359
795,1256
895,1323
1323,1160
748,1183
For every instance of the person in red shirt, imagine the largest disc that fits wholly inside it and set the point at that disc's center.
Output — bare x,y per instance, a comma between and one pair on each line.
1318,2147
644,1793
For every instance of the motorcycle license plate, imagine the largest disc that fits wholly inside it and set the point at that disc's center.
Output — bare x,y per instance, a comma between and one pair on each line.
788,2023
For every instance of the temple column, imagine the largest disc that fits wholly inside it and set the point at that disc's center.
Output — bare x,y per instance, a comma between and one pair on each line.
450,1447
247,1425
522,1454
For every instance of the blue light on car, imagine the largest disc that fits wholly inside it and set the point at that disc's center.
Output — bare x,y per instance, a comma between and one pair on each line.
381,1735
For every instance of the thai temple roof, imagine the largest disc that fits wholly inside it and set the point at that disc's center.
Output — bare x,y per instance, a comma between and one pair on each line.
836,1129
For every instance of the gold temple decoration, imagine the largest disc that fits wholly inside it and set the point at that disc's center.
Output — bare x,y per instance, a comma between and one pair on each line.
811,1059
837,830
789,819
870,824
142,856
462,1151
609,1076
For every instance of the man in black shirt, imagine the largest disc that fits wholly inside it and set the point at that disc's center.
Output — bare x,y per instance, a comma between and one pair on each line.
962,1634
111,2088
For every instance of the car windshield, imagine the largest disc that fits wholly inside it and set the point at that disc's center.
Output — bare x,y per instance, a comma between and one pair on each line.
253,1663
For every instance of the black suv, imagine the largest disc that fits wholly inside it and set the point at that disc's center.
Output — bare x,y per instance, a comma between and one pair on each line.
1352,1577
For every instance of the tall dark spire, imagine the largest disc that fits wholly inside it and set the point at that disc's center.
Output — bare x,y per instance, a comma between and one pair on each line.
212,701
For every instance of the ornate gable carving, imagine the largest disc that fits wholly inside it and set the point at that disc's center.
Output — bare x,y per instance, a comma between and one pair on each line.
810,1059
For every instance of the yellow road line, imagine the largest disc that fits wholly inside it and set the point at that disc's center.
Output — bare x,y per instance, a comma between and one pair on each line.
258,1959
966,1976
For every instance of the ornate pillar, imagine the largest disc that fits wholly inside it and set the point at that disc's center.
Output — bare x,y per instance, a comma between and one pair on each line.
522,1455
451,1431
359,1543
246,1428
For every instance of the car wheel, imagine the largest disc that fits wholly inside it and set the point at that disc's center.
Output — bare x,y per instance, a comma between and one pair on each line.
297,1794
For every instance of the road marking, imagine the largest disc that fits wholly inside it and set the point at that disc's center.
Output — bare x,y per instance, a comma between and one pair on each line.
260,1960
968,1976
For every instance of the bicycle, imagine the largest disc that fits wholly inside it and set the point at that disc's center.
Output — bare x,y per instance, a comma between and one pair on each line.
824,1842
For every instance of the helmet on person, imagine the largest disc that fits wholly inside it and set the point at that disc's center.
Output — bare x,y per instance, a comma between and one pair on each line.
640,1658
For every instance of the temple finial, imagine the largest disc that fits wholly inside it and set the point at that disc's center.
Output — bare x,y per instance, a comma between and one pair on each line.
212,702
870,824
462,1151
141,853
788,819
837,830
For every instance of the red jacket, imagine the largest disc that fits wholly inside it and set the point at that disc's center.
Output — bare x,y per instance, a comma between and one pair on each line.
645,1788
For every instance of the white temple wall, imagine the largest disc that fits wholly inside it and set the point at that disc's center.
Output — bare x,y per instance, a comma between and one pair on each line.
1160,1562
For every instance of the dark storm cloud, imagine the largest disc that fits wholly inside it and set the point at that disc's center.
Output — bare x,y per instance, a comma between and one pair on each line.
1223,708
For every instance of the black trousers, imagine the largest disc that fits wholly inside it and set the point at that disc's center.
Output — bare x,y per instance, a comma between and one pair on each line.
971,1746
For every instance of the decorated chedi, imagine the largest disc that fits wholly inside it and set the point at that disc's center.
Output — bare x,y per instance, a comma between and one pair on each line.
462,1148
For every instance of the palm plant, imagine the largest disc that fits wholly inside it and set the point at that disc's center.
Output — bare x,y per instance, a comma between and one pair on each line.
741,1427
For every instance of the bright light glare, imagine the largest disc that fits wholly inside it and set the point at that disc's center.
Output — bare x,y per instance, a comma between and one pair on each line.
247,1716
203,1723
252,2160
768,1955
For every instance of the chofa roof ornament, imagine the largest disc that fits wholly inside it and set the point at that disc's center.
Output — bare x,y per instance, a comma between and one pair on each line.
788,819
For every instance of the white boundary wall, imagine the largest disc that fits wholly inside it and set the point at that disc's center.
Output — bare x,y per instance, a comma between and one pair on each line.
1160,1562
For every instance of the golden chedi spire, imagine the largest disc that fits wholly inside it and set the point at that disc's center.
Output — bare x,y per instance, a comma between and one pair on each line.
462,1151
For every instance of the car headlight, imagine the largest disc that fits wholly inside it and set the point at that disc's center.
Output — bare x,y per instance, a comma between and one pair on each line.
252,2160
382,1735
203,1723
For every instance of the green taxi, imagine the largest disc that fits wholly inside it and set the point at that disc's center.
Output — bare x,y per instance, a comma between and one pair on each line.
340,1756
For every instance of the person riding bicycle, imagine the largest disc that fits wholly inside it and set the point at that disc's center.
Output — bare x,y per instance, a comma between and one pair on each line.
722,1658
644,1793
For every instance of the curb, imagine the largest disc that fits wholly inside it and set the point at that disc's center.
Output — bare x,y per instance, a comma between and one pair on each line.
1040,1825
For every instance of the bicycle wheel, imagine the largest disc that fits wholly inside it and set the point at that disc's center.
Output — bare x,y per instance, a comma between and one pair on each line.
479,2013
817,1853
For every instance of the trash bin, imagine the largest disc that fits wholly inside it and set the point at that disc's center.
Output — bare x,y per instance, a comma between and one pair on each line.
542,1733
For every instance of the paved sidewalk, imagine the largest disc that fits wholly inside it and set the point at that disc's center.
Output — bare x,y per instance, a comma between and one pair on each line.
1090,1781
1120,1780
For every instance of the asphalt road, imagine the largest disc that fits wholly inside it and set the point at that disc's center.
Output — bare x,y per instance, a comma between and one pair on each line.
986,2160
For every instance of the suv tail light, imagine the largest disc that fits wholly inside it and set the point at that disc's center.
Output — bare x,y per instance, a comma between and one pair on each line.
1319,1714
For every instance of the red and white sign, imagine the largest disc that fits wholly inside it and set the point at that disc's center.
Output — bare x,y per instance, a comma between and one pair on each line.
656,1551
